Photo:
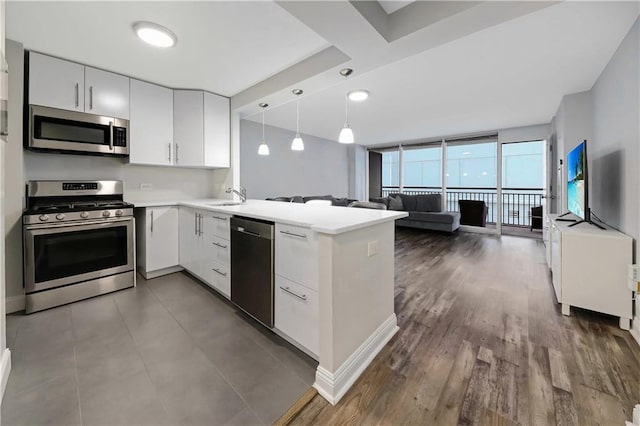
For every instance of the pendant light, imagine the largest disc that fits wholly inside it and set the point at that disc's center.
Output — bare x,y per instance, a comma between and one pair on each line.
263,149
346,134
297,144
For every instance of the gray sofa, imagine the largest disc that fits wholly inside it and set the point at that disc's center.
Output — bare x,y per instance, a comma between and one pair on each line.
425,211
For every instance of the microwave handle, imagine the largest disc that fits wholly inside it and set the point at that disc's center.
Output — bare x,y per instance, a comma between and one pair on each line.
111,135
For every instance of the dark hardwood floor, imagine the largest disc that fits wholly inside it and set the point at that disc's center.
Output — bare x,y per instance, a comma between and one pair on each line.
482,341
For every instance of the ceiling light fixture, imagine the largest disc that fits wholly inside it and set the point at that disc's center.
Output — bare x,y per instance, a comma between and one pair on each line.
263,149
358,95
297,144
346,134
154,34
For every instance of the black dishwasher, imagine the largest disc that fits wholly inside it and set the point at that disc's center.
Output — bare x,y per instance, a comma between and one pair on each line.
252,279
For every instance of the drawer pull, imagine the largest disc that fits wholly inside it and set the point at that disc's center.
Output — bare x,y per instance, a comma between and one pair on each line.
291,292
219,218
220,245
293,234
224,274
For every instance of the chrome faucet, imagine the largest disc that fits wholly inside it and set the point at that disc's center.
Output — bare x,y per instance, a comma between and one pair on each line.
242,193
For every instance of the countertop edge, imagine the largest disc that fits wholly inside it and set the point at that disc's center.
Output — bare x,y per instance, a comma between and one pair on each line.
201,204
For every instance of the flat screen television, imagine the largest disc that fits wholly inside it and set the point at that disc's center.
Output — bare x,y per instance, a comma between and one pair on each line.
577,182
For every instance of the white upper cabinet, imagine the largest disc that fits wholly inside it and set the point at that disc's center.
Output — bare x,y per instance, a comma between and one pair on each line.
55,83
217,135
201,129
188,128
151,124
66,85
106,93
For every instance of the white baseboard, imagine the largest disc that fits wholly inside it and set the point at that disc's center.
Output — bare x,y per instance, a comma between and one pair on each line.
15,303
5,370
333,386
160,272
635,329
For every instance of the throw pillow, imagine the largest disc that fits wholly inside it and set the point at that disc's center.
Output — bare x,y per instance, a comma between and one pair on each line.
395,203
429,203
381,200
342,202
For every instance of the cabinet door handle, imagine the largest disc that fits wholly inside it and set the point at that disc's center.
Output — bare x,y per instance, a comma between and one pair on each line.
77,95
177,154
169,149
152,221
219,218
195,221
90,97
293,234
224,274
201,232
220,245
293,293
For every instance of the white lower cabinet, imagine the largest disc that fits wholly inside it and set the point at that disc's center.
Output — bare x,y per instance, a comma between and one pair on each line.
204,251
296,313
296,254
157,240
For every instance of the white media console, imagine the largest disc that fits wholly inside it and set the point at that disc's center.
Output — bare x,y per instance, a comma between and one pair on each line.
589,268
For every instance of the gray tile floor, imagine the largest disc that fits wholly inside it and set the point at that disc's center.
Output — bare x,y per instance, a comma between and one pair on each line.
167,352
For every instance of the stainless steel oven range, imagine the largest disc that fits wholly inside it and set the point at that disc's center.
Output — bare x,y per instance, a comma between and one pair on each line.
79,242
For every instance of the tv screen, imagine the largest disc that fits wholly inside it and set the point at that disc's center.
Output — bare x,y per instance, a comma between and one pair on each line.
577,181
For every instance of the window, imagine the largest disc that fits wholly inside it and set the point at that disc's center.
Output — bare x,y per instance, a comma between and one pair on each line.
390,169
522,165
422,167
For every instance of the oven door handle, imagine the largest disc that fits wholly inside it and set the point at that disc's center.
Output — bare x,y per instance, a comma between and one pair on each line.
77,224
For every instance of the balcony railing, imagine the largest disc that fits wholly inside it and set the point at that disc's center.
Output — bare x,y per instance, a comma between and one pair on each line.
516,202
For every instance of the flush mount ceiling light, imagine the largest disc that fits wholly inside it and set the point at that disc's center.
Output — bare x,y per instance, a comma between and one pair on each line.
346,134
263,149
358,95
297,144
154,34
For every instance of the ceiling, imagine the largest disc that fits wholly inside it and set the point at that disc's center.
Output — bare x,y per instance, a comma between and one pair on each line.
223,47
391,6
507,75
433,68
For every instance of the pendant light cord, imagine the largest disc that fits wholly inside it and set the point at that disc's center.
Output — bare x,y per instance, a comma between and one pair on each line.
346,104
298,115
263,125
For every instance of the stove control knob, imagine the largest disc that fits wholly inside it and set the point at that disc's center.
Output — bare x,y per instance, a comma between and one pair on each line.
84,215
106,213
118,213
44,217
60,216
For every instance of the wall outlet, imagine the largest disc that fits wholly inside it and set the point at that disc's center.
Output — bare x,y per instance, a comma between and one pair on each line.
146,187
372,248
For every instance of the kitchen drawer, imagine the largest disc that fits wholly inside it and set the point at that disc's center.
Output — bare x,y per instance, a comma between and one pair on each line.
217,225
220,250
218,277
296,313
296,256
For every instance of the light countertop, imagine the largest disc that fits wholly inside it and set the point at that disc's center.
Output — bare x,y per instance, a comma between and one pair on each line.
323,219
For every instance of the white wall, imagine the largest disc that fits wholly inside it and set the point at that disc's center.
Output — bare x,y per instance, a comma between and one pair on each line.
614,154
524,134
321,169
5,354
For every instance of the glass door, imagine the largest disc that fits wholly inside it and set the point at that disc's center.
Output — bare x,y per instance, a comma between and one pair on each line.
471,182
523,187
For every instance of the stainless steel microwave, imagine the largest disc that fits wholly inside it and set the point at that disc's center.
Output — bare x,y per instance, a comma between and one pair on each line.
62,130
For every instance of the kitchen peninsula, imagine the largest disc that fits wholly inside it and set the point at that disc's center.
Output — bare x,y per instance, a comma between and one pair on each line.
334,273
